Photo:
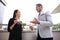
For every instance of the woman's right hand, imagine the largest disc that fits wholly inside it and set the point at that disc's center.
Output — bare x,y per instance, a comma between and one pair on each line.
15,21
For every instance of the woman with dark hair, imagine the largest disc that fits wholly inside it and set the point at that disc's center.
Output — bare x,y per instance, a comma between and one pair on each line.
15,26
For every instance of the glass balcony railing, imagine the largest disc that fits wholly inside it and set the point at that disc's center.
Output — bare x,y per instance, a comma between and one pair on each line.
54,28
4,27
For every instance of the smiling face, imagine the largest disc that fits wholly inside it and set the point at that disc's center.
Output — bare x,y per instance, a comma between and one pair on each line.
18,14
39,7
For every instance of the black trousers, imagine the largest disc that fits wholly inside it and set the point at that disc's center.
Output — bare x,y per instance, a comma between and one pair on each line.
39,38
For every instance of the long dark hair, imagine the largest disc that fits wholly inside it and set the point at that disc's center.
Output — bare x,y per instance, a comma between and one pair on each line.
14,14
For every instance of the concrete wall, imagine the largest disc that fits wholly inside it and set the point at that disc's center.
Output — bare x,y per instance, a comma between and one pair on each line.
4,35
28,35
56,35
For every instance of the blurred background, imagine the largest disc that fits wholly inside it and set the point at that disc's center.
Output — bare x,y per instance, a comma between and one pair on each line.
28,11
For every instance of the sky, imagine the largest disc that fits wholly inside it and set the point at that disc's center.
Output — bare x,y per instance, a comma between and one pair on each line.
27,9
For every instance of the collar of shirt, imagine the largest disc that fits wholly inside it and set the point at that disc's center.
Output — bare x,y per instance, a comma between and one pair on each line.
40,13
